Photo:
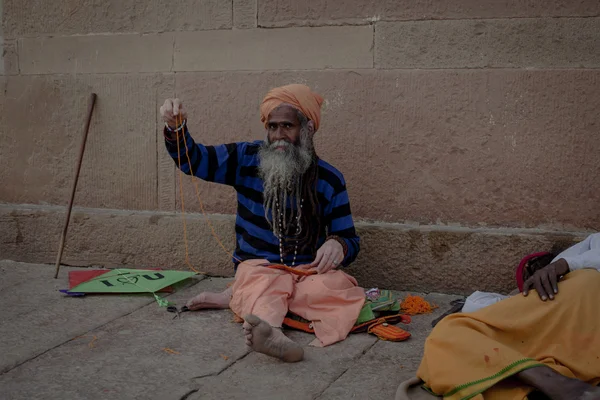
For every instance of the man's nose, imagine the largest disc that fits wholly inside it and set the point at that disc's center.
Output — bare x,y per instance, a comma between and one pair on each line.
278,134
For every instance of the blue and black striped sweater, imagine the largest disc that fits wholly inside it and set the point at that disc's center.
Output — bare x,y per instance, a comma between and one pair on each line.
236,165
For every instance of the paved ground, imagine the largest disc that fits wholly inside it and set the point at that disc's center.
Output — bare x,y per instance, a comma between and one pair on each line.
113,347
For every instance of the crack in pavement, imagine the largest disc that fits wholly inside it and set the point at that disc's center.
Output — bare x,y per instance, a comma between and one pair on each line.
354,359
215,374
222,369
188,394
150,301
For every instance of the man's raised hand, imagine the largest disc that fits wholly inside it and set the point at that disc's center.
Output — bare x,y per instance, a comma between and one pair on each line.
172,112
545,280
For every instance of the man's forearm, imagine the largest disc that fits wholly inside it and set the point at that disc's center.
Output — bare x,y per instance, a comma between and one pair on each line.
183,150
340,224
589,259
210,163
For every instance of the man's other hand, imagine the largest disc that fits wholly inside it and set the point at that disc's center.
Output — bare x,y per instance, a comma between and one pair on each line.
545,280
172,112
329,256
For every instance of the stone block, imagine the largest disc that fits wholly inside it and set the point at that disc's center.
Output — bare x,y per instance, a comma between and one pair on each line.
278,13
497,43
192,15
43,120
446,260
2,55
93,348
400,257
9,62
40,318
470,147
71,17
96,54
117,238
245,14
166,168
260,49
211,127
258,377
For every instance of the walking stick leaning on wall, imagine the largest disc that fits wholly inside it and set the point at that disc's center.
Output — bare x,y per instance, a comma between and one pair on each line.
86,129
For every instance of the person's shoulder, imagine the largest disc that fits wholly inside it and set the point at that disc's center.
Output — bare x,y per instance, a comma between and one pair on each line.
332,176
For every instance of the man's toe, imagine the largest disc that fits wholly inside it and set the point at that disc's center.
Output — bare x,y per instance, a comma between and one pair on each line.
252,320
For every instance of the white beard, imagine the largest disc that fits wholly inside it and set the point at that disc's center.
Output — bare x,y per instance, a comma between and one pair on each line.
281,172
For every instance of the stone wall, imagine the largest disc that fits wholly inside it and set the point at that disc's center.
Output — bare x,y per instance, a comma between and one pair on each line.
467,130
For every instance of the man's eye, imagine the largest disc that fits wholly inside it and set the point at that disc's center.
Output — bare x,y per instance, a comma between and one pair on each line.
287,125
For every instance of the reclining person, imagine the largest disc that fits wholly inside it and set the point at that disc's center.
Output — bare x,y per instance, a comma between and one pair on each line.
549,343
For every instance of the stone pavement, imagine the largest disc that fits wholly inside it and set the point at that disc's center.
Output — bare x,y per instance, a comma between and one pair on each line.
127,347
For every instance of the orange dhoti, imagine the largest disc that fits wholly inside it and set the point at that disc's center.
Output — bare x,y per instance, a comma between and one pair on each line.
331,301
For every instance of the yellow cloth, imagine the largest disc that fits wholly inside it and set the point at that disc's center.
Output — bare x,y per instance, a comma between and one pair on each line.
467,355
296,95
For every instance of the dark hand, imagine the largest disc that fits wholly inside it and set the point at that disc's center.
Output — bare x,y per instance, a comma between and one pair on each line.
545,280
329,256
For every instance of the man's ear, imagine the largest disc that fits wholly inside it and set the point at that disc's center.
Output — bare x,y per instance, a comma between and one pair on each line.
311,127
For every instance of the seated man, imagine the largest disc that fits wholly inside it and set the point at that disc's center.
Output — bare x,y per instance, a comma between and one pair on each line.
547,344
293,210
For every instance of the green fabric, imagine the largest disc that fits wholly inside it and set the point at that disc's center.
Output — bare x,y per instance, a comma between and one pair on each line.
366,314
385,304
126,280
162,302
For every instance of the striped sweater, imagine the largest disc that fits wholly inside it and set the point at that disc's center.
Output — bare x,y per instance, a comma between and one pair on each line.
236,165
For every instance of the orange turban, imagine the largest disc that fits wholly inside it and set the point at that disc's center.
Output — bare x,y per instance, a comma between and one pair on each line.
296,95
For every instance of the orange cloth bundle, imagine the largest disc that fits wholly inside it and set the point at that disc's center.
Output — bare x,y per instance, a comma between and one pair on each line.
413,305
391,333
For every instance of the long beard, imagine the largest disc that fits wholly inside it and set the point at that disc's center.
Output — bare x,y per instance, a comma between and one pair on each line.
281,172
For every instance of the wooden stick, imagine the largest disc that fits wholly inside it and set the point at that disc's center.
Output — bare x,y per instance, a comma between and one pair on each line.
86,128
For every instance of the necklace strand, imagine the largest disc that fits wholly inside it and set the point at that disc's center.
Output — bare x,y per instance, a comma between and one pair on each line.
280,237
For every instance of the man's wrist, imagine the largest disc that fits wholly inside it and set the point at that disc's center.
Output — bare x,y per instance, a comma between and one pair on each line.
562,267
341,242
177,128
172,133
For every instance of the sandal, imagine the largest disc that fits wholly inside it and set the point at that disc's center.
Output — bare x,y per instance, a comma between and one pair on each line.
411,389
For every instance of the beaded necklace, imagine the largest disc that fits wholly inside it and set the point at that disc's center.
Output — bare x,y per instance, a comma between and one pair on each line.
279,222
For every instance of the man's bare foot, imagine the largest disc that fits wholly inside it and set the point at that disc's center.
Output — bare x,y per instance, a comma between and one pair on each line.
270,341
207,300
557,386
